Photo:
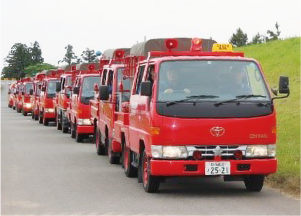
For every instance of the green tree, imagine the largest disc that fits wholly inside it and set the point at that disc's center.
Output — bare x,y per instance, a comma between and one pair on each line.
239,38
33,69
89,56
70,56
36,53
273,36
18,58
257,39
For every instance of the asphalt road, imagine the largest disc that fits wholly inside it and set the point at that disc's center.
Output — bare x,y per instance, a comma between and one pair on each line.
45,172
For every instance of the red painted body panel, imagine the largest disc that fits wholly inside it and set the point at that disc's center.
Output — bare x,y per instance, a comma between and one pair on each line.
85,129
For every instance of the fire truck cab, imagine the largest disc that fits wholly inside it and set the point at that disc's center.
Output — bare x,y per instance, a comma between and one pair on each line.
199,111
35,94
46,108
78,110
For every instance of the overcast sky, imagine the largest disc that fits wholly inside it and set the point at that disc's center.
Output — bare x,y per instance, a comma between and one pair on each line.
104,24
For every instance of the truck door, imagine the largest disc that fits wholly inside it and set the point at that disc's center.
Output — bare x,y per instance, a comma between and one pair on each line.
135,113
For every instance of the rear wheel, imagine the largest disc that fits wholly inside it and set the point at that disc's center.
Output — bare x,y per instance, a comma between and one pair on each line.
129,169
58,122
114,157
40,117
14,107
65,128
32,115
254,183
73,131
151,183
100,148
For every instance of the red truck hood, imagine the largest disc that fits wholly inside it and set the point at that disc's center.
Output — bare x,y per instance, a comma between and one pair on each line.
255,130
84,111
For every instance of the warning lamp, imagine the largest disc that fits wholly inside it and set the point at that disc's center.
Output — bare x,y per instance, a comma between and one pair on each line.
238,154
119,53
53,73
197,155
91,67
196,44
171,44
73,68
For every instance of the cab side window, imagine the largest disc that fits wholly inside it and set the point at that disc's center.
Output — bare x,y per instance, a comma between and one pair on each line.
139,79
150,74
104,77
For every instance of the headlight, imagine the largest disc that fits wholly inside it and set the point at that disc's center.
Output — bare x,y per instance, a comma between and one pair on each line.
28,105
84,122
172,152
261,151
49,110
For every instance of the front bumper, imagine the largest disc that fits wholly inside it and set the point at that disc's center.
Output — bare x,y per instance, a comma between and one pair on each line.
27,109
85,129
48,115
179,167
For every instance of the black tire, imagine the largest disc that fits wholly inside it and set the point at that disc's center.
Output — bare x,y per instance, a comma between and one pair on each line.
73,131
14,107
40,118
254,183
150,183
114,157
65,129
79,137
36,117
32,115
58,124
45,122
18,110
100,148
129,170
24,113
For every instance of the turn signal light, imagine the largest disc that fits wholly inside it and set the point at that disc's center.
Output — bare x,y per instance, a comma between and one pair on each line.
154,130
171,44
196,44
197,155
274,129
238,154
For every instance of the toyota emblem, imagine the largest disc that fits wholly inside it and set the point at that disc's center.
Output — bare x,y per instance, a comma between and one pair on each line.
217,131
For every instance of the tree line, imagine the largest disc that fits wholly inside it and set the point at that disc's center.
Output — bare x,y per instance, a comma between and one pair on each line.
240,38
25,61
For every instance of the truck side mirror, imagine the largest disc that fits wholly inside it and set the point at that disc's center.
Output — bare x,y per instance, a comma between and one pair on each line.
76,90
58,87
284,85
43,88
31,91
96,89
104,92
146,88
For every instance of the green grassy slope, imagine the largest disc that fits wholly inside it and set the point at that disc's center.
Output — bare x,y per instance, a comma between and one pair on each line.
283,58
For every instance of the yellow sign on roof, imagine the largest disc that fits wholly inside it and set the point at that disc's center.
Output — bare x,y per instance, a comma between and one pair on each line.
222,47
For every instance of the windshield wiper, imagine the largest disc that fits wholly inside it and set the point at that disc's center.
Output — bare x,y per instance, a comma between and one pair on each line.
189,98
237,98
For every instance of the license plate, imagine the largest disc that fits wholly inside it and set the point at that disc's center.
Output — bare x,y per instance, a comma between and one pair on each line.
217,168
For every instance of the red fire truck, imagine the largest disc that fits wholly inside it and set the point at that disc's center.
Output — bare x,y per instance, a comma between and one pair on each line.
26,103
11,95
46,108
35,94
78,110
105,114
20,89
62,98
200,112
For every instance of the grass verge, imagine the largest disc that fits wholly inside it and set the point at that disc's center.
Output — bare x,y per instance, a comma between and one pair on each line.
278,58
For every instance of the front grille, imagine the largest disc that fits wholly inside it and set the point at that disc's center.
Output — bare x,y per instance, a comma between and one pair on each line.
209,151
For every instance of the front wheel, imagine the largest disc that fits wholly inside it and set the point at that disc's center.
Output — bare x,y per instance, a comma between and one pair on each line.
40,118
73,131
151,183
24,113
254,183
79,137
58,124
45,122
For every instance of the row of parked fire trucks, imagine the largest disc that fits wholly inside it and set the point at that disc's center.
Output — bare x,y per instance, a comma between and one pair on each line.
164,108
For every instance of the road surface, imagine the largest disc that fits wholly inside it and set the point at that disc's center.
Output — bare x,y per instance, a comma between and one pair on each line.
46,172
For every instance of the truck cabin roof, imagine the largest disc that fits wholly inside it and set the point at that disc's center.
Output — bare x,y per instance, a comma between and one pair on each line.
110,53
